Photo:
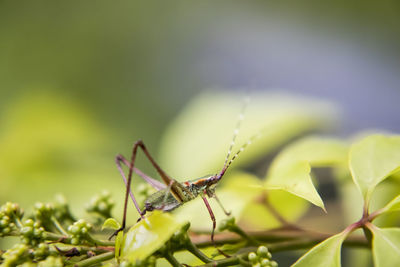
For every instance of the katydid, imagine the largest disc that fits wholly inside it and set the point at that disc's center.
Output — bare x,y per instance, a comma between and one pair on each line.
172,194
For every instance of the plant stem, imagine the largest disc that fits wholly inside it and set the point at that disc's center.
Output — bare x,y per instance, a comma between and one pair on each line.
195,251
234,260
236,229
100,242
95,259
66,239
284,240
58,226
171,259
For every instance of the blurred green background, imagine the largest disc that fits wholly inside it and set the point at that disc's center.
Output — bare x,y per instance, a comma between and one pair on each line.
80,81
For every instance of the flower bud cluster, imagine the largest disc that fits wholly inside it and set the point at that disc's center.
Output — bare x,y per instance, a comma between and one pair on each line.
79,231
262,258
43,212
101,204
42,251
16,255
61,209
6,225
11,210
32,232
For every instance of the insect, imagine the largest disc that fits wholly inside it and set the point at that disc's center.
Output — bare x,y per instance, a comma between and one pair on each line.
172,194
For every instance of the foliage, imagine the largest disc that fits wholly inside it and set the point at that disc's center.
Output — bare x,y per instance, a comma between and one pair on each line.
264,211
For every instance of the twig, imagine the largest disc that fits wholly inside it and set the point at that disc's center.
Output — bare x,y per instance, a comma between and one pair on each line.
95,259
171,259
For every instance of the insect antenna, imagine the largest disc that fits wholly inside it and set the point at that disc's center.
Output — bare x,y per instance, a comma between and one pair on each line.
228,161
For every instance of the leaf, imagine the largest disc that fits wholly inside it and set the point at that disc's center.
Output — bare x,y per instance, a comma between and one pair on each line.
148,235
385,246
118,242
290,171
196,143
111,223
373,159
289,206
325,254
393,205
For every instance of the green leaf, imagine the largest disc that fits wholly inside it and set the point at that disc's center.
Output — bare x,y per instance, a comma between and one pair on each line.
393,205
385,246
325,254
373,159
290,171
289,206
111,223
148,235
196,143
118,242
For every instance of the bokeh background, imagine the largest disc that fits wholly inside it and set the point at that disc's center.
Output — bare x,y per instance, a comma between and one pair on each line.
80,81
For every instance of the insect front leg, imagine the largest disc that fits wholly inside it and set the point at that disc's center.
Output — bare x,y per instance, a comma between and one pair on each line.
214,225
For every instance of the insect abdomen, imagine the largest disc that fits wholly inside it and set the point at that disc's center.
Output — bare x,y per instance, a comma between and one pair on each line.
159,201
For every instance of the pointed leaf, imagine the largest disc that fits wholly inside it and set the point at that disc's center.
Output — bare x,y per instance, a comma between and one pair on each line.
393,205
385,246
325,254
291,169
197,142
373,159
148,235
111,223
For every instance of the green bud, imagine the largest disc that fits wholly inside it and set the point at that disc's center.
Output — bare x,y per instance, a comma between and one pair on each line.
253,258
29,222
273,264
262,251
73,229
265,262
27,230
74,241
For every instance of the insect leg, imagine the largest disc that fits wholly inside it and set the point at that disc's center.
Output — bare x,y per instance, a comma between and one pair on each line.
227,213
214,225
118,160
153,182
163,175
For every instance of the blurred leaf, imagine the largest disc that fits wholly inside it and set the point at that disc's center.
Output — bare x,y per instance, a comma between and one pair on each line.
289,206
385,246
325,254
148,235
118,242
49,143
393,205
238,191
372,159
196,143
291,169
111,223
